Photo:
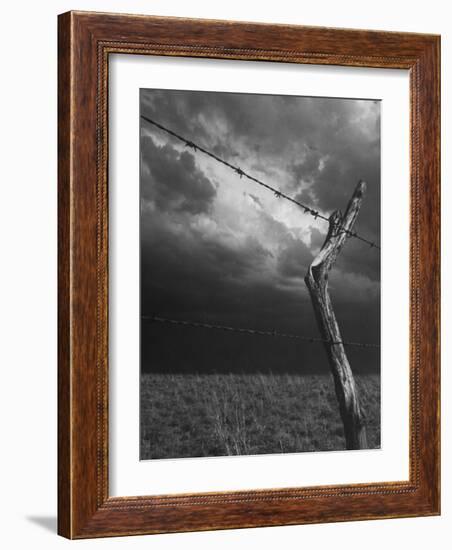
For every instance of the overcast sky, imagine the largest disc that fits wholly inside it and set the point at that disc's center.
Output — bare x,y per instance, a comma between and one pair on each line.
220,249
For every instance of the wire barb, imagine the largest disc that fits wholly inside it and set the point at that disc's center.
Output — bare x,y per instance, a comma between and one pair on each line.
278,194
191,145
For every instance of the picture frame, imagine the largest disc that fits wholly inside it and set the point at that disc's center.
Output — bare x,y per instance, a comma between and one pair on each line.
85,507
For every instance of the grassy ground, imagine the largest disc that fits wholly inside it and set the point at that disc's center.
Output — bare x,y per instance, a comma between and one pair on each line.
237,414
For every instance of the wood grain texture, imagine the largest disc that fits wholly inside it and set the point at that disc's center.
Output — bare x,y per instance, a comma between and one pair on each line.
85,42
341,227
64,295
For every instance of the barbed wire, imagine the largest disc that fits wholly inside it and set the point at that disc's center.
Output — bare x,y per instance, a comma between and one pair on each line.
251,331
278,194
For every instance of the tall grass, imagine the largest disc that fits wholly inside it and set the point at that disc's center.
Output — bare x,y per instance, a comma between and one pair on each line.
198,415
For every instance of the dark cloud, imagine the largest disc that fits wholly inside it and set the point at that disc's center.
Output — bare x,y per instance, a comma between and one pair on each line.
357,257
199,274
220,249
294,259
331,185
324,145
172,181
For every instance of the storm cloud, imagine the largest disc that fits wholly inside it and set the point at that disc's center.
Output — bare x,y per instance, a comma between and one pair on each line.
219,249
175,184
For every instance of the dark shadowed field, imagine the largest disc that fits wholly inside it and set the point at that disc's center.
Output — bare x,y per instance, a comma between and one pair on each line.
195,415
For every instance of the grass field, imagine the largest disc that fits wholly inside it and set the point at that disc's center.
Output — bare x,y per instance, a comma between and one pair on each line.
198,415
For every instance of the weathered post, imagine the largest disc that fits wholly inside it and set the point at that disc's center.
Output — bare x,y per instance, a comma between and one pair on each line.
317,282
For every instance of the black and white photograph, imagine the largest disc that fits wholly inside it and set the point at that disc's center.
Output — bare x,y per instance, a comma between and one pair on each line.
259,274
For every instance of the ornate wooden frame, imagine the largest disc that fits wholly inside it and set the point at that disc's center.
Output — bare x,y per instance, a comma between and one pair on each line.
85,42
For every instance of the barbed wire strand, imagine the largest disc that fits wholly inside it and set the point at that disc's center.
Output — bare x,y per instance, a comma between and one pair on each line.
256,332
278,194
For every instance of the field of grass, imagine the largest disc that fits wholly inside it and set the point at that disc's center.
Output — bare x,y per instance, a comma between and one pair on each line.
198,415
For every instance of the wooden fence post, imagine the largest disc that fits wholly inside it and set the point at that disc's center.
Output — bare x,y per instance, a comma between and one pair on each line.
317,282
